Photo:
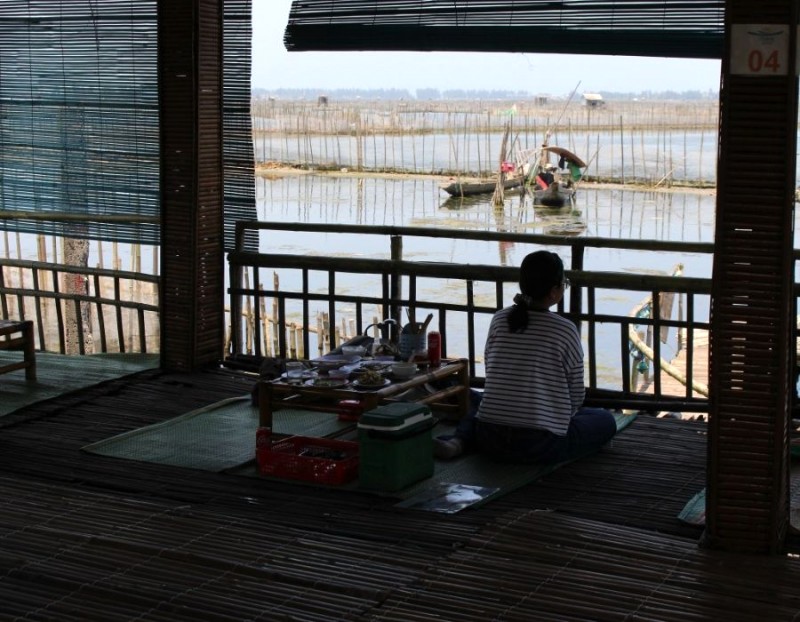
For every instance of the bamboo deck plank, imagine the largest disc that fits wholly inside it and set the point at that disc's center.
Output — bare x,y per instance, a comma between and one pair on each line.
86,537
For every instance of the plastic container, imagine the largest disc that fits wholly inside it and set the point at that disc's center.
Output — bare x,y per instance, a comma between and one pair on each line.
349,410
321,460
395,446
411,342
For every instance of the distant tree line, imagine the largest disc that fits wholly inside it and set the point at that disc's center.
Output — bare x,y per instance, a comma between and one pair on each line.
433,94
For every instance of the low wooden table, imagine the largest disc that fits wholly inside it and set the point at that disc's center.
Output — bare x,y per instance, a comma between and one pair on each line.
277,394
24,342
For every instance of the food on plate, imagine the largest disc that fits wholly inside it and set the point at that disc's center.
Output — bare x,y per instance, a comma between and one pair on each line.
327,382
370,377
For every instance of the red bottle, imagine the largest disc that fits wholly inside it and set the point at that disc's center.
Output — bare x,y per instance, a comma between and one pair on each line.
434,348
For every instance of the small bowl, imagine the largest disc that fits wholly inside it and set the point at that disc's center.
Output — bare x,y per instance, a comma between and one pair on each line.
338,374
351,352
404,369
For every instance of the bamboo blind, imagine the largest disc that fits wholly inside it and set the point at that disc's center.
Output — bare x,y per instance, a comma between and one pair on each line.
661,28
79,118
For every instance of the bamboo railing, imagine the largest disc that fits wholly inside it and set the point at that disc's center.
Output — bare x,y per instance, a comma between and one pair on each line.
462,297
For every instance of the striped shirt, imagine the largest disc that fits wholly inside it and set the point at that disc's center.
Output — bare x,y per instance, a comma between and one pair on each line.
534,379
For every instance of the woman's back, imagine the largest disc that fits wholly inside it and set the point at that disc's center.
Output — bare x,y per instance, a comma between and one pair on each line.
534,378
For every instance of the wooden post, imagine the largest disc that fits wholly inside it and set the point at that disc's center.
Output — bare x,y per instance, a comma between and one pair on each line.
190,104
751,345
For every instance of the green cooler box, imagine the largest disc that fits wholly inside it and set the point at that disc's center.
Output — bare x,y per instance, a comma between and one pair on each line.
395,446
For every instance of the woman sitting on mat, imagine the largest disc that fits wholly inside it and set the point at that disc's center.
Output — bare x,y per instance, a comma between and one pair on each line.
531,410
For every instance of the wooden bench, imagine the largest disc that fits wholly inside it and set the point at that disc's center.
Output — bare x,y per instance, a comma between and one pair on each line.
24,342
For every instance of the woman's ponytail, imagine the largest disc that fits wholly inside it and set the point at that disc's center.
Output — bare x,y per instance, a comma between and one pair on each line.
539,273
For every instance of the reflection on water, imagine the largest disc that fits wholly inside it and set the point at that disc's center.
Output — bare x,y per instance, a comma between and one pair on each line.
609,212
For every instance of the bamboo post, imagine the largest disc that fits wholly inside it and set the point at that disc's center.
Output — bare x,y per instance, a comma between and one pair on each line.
322,333
248,312
265,321
292,330
248,332
298,339
275,318
262,305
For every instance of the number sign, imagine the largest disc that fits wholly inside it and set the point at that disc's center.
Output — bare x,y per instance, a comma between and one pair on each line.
760,49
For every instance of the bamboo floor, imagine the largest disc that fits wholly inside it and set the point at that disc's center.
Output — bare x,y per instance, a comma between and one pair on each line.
86,537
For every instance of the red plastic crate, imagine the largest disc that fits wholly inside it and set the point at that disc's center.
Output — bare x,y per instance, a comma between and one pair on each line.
321,460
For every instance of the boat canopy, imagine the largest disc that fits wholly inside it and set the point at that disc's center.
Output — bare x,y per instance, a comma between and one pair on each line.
566,154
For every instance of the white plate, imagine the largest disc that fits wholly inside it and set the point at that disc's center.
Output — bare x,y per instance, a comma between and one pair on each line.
307,373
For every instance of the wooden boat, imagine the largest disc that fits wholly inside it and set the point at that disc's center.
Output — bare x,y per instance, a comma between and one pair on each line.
557,194
554,185
465,189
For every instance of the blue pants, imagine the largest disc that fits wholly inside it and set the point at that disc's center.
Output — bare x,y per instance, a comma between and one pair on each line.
589,429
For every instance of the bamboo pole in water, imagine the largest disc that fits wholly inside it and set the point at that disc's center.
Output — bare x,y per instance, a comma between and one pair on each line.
298,138
645,174
488,139
375,163
466,159
402,150
498,198
422,166
622,148
700,161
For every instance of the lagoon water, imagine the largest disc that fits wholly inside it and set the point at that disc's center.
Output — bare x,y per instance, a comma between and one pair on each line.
599,211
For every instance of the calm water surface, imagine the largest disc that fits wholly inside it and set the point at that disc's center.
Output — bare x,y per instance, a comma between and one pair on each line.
598,212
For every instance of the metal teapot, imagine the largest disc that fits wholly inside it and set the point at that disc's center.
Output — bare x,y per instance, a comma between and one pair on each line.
384,345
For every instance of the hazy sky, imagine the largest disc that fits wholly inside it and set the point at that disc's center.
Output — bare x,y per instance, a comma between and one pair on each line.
552,74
